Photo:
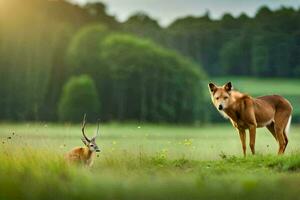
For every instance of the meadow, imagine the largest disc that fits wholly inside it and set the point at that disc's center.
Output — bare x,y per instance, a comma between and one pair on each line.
144,161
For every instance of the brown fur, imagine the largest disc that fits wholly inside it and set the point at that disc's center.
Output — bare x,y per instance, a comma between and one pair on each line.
80,155
246,112
84,155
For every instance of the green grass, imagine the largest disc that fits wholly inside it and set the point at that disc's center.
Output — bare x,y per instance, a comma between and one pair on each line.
146,162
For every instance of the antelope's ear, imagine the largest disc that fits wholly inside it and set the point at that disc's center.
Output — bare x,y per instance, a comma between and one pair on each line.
212,87
228,86
84,141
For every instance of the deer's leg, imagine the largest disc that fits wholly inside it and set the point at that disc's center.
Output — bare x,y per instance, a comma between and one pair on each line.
242,134
286,140
252,134
280,138
281,120
271,128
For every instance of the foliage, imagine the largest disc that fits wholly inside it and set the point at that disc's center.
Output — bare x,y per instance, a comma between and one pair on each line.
265,45
32,65
84,51
137,79
79,96
66,40
143,26
150,83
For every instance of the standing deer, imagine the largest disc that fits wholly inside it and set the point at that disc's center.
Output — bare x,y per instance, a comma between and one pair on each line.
247,113
84,155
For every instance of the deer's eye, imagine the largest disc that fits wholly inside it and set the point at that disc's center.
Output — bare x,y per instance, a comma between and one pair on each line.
91,145
225,98
218,98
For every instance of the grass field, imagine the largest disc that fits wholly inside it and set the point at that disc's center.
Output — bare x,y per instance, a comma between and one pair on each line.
146,162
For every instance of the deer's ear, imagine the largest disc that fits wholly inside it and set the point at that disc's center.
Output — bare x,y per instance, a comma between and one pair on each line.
212,87
85,141
228,86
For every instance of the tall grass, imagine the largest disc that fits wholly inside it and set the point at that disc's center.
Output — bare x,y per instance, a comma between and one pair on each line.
29,174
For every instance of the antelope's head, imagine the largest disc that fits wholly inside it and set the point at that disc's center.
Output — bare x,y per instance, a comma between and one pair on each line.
90,143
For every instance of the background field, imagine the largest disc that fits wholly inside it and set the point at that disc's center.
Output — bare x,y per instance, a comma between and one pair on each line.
145,162
199,143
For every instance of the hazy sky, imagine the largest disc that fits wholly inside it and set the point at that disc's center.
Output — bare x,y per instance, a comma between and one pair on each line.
165,11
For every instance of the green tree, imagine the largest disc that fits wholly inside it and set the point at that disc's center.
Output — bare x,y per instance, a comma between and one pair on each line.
84,57
260,57
144,26
84,50
150,83
79,96
235,56
32,64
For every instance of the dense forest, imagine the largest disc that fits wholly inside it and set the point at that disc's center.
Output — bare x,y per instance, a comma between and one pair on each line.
53,51
265,45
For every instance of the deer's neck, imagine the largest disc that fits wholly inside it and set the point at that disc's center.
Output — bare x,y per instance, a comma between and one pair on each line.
87,152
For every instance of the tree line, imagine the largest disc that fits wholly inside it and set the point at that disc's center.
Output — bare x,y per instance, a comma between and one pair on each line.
266,45
51,49
59,61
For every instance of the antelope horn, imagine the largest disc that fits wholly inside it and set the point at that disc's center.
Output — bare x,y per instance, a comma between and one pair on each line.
97,133
83,126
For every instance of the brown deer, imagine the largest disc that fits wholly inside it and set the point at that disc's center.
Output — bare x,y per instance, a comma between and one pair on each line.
246,112
84,155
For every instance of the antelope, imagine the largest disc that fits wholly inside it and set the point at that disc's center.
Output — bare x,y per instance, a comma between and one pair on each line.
84,155
246,112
